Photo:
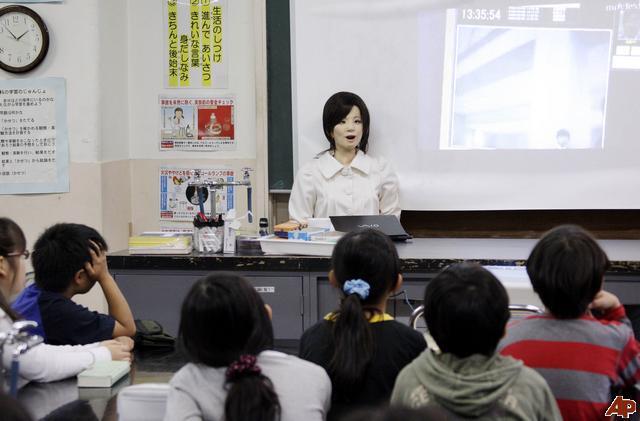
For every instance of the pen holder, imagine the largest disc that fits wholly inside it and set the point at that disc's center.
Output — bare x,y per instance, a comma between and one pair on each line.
208,236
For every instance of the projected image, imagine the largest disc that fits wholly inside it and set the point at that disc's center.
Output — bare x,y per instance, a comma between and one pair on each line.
528,88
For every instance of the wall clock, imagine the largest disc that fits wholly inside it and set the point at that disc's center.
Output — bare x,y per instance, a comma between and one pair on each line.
24,39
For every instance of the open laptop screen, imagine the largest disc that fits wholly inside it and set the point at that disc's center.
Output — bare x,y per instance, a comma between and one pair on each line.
387,224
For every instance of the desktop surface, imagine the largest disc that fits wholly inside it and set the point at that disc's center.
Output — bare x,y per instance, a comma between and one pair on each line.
63,399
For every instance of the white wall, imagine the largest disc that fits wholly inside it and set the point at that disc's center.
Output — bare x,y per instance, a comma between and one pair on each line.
73,30
146,70
72,54
114,120
113,64
145,77
110,53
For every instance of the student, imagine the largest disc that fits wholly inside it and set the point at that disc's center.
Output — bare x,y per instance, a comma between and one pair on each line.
43,363
583,346
362,348
234,375
466,310
344,180
69,259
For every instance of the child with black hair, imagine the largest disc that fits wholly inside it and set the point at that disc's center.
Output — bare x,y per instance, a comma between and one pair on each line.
43,363
233,374
361,346
584,345
466,310
69,259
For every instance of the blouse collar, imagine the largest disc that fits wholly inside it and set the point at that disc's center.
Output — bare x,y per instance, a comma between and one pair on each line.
329,166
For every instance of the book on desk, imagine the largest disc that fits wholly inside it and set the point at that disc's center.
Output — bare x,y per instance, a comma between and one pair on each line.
103,374
161,243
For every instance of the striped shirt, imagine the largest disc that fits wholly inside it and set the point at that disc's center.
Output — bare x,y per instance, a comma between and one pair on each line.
581,359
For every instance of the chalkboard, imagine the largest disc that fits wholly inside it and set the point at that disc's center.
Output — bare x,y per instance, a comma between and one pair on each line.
280,150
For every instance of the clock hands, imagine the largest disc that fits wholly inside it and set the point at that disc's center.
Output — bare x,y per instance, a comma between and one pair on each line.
14,37
25,33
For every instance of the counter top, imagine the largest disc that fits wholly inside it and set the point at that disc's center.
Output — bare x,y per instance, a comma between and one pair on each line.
418,255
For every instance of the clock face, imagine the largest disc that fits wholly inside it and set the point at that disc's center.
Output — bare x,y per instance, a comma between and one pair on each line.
24,39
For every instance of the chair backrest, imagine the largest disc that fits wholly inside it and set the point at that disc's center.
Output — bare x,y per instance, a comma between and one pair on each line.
143,402
519,311
416,315
516,310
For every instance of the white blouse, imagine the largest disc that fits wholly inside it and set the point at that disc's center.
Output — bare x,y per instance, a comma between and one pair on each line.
324,187
47,363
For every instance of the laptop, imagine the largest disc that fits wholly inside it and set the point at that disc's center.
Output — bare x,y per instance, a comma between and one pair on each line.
387,224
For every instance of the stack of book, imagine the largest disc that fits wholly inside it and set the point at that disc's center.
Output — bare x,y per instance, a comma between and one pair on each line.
103,374
161,243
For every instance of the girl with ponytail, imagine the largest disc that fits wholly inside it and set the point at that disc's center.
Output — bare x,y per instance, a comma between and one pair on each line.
233,373
361,346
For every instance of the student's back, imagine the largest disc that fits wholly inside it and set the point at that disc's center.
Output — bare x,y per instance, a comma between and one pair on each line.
396,345
466,310
362,348
303,389
233,374
583,360
584,346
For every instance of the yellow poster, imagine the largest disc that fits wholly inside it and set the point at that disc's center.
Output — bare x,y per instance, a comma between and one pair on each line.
196,44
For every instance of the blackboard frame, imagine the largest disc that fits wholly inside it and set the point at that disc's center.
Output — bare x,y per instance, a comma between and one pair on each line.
279,118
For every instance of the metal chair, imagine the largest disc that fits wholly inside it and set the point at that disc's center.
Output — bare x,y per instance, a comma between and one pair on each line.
516,310
19,341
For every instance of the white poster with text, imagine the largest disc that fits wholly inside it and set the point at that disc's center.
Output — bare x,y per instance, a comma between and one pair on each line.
34,149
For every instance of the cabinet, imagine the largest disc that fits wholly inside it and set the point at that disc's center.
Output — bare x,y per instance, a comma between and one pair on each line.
158,295
298,290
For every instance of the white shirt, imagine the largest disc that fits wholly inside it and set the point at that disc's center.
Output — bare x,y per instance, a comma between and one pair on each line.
48,363
324,187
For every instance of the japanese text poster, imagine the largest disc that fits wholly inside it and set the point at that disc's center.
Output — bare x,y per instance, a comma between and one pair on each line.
195,44
34,150
197,124
180,202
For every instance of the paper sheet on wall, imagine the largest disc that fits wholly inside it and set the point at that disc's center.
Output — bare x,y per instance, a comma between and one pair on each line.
197,124
195,44
180,202
34,149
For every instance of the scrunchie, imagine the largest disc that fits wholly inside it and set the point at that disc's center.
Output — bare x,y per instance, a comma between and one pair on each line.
243,366
357,286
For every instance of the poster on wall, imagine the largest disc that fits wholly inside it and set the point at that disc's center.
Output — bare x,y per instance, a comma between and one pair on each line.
180,202
197,124
195,44
34,149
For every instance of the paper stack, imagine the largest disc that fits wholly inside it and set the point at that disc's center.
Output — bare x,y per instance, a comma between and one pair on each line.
161,243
